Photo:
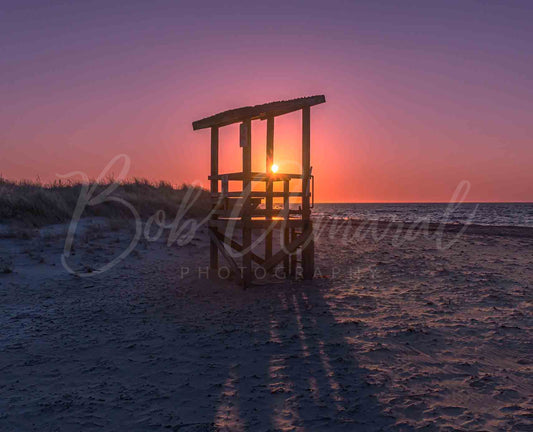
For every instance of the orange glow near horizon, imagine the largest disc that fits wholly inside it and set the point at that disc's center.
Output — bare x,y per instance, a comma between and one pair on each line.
409,114
372,169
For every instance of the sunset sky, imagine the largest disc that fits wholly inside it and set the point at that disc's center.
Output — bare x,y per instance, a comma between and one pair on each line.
420,94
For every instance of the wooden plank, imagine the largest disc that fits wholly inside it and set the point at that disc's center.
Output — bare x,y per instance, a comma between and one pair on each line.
255,223
262,111
213,250
294,256
274,213
236,246
306,160
243,141
308,254
260,194
286,232
270,184
234,207
281,254
226,209
214,160
308,251
225,254
246,187
259,176
225,187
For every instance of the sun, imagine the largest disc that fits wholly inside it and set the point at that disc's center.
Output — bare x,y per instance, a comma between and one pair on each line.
274,168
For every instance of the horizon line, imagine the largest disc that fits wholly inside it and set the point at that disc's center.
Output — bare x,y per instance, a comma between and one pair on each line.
424,202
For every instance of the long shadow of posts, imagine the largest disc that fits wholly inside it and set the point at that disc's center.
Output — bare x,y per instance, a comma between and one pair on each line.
298,371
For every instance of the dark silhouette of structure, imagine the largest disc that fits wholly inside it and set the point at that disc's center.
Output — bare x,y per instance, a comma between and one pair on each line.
243,210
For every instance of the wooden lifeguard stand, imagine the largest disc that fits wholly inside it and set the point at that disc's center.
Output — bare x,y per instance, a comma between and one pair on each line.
242,212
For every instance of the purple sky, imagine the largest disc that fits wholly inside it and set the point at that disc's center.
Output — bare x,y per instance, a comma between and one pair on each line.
420,94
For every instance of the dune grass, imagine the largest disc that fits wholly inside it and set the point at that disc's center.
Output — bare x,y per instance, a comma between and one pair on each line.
37,204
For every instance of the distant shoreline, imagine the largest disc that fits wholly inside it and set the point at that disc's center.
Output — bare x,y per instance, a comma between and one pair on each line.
451,228
9,228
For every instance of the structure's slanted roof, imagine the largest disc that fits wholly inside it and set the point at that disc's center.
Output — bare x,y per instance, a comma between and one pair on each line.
263,111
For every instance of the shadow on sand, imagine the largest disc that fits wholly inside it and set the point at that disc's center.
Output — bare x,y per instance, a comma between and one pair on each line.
292,369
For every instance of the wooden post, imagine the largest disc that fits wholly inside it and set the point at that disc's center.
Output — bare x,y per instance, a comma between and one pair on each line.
294,256
286,232
213,249
308,254
269,184
308,251
246,188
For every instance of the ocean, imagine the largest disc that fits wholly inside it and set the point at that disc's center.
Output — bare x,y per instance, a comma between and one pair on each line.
492,214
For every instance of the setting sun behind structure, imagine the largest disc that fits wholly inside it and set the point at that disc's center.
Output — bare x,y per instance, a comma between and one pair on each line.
242,209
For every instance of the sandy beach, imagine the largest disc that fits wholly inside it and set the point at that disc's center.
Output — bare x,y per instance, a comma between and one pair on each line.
389,337
282,216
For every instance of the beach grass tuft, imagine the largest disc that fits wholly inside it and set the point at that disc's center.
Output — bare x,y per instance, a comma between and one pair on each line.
33,203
